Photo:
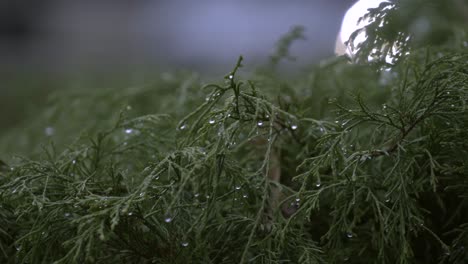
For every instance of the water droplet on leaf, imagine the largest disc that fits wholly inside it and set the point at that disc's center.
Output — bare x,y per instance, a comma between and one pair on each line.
183,126
232,145
211,121
184,244
294,127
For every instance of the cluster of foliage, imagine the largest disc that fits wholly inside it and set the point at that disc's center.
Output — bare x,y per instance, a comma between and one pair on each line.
372,157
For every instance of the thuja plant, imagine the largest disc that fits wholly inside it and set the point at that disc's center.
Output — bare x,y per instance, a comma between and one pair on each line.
361,160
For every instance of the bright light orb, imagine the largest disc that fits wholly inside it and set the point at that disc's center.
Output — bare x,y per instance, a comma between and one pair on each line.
350,24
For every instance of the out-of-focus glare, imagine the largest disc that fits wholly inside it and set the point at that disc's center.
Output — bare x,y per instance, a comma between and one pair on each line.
350,24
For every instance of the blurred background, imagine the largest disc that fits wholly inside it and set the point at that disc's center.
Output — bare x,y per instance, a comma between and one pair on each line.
62,44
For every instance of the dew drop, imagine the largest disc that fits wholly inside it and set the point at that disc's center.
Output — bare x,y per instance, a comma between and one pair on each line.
294,127
384,106
245,196
130,213
231,77
183,126
207,197
203,151
168,219
128,131
318,184
211,121
321,129
238,187
452,106
129,107
260,123
142,194
67,215
184,244
448,93
387,200
196,195
73,161
298,199
349,235
232,145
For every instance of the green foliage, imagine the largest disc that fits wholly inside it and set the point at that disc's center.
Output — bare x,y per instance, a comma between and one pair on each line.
372,157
